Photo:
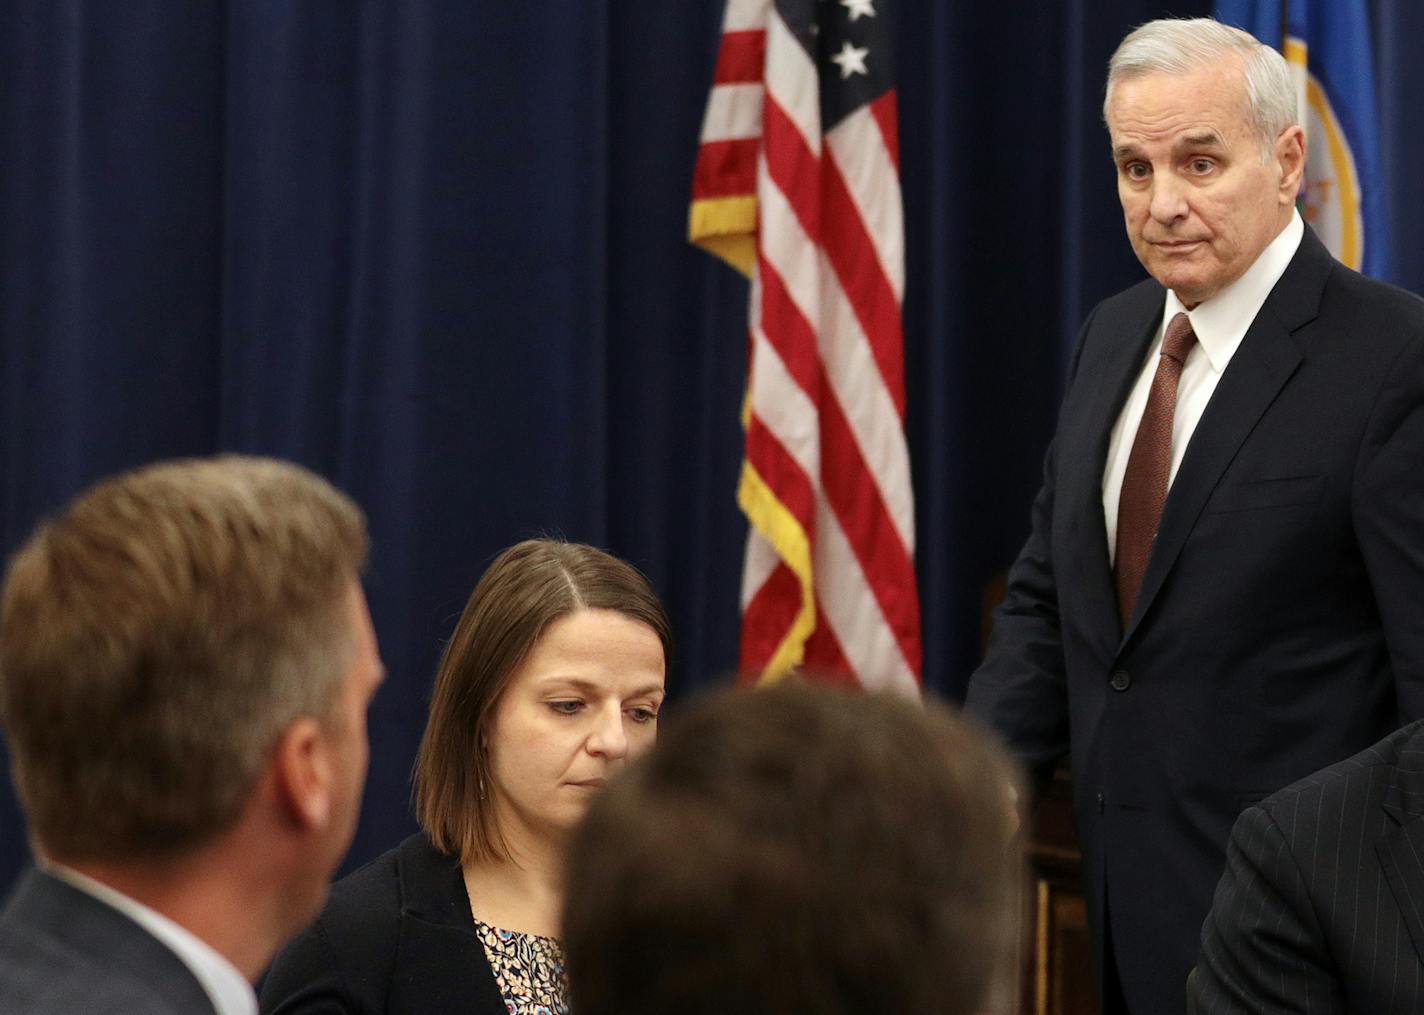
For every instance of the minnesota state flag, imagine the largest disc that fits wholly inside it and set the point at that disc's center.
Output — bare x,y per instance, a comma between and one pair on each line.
1327,43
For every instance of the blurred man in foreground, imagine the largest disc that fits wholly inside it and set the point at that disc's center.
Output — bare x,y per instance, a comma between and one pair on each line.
798,849
186,661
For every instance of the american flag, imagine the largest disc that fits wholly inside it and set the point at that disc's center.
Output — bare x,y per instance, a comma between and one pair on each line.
797,185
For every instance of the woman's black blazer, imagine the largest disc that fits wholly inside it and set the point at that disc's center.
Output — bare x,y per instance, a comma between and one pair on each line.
396,937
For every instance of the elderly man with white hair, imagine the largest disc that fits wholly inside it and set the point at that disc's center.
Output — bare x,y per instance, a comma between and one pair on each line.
1220,590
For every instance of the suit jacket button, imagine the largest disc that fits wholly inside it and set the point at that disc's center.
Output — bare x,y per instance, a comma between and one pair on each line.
1100,801
1121,680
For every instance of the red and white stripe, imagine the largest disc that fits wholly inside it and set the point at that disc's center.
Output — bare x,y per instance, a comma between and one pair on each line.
829,581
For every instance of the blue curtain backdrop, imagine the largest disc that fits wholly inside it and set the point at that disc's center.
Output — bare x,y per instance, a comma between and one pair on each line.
435,251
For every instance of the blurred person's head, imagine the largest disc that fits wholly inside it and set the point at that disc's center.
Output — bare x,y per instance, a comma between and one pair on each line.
185,658
552,681
798,848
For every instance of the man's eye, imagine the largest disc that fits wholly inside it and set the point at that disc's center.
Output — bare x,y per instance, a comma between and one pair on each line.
1202,165
642,715
1135,171
566,707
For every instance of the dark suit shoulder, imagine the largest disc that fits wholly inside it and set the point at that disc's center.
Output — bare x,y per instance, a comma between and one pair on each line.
1127,310
1365,314
345,960
1144,296
1391,299
1124,319
42,976
1353,786
372,887
64,952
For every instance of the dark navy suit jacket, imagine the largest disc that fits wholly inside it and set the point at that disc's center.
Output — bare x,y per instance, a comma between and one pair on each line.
63,952
396,937
1321,908
1280,623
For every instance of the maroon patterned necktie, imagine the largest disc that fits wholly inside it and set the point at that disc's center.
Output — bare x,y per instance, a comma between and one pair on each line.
1144,484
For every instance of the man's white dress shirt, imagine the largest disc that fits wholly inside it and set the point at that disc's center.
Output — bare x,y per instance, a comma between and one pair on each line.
1220,323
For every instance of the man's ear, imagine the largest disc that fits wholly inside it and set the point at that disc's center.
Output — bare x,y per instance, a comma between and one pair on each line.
303,771
1290,156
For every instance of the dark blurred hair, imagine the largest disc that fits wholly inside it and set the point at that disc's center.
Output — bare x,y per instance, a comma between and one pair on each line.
798,849
526,588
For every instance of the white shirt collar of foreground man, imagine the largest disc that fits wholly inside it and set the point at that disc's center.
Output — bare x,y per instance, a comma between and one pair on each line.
229,990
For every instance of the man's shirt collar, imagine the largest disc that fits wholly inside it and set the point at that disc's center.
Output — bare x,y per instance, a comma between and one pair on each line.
1221,322
228,989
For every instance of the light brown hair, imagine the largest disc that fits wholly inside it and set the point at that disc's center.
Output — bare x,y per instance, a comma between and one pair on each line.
526,587
799,848
155,639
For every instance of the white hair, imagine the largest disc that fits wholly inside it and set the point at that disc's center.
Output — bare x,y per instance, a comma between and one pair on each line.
1183,45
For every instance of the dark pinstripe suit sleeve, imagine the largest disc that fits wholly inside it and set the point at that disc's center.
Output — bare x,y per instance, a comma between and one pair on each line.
1262,945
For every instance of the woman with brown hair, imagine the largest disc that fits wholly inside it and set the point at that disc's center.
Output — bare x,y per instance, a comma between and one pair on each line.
552,681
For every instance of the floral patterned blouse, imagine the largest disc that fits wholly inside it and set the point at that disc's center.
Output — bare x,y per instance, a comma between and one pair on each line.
528,968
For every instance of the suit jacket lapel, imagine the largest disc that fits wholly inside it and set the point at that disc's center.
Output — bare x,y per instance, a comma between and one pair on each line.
440,962
441,968
1265,360
1401,848
1109,378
